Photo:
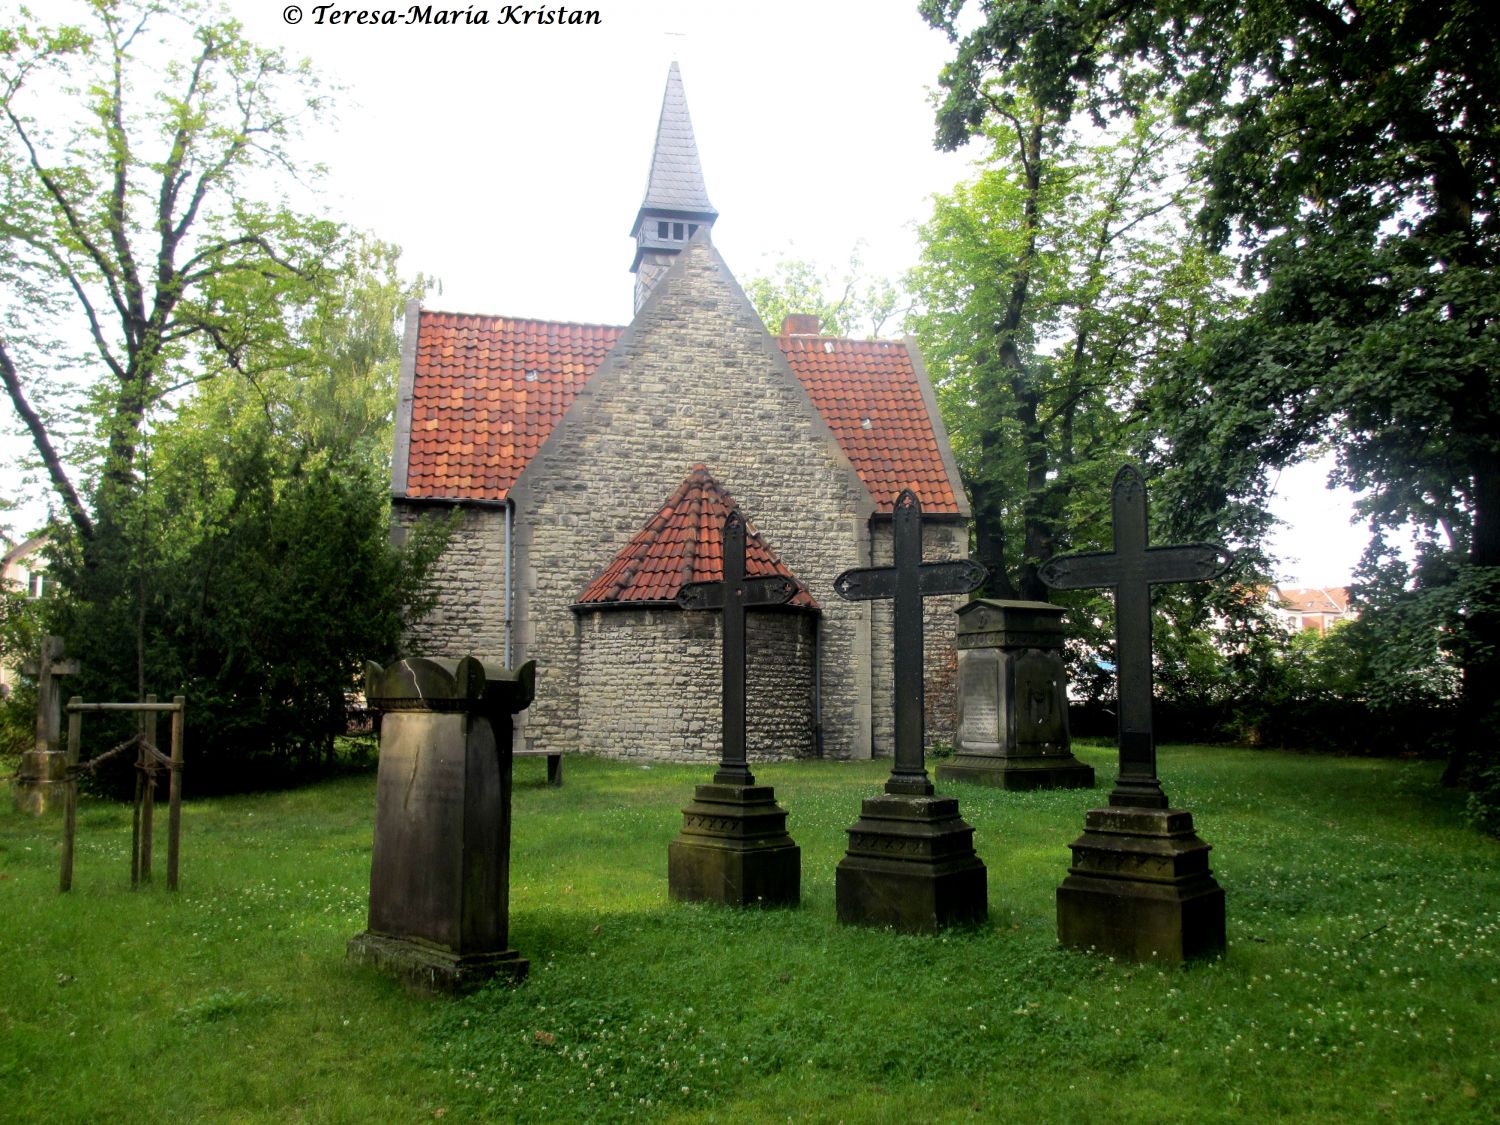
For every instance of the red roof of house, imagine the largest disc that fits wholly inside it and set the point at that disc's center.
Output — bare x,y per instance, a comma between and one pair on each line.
681,544
868,393
488,390
1317,599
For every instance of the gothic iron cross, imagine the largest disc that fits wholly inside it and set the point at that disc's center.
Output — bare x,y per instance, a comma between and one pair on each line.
906,584
734,595
1131,569
47,669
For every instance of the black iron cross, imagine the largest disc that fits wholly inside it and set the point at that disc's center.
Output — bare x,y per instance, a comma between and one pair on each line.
906,584
734,595
1131,569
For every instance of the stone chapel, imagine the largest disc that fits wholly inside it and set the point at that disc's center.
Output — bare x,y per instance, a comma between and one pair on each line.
592,467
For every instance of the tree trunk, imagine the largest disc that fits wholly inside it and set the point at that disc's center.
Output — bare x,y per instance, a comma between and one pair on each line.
1474,745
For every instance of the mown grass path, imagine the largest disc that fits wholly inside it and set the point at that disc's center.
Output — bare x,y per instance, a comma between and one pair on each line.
1362,981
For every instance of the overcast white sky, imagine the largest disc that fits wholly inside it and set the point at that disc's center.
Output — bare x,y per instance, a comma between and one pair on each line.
509,161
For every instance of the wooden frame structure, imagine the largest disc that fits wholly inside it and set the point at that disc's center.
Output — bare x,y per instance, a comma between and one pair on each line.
149,759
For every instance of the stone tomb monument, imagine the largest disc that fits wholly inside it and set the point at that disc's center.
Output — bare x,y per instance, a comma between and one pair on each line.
440,871
41,778
1140,886
911,861
1013,699
734,848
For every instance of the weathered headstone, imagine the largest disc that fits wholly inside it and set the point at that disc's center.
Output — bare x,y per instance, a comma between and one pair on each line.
440,869
911,861
1140,885
734,848
1013,699
41,777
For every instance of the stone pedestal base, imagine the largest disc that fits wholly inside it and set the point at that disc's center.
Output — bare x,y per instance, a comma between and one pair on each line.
40,781
431,968
1140,888
1055,771
734,850
911,865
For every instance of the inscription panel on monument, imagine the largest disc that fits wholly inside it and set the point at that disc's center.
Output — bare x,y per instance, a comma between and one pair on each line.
981,701
416,870
1039,717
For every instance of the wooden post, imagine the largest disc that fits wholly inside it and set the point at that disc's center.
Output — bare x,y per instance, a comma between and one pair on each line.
174,825
135,816
148,801
70,796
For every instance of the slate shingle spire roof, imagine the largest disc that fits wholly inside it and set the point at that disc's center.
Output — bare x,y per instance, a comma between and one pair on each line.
681,544
675,183
676,203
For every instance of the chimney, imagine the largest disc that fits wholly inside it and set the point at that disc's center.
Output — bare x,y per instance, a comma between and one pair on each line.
801,324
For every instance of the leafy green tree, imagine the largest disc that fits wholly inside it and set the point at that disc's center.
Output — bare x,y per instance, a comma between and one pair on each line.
137,253
20,640
1352,160
1050,287
260,573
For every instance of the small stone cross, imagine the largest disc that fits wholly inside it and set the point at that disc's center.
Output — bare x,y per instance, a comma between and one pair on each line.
1130,570
906,583
734,595
47,669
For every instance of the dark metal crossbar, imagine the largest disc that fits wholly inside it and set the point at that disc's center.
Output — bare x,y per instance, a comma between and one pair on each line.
1129,571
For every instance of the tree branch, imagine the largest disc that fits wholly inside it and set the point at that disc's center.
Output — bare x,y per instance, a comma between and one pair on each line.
43,442
75,225
119,147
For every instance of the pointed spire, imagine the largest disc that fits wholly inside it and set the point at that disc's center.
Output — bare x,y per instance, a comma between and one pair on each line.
676,205
676,179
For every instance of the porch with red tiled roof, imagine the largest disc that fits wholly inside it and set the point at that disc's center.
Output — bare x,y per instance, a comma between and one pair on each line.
681,544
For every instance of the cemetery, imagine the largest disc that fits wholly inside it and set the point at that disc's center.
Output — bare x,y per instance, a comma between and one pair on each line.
525,951
1363,943
816,594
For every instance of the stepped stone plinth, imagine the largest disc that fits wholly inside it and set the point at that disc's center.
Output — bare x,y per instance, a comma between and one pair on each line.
734,850
911,865
1140,888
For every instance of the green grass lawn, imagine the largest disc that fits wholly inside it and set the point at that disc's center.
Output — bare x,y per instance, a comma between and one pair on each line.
1360,981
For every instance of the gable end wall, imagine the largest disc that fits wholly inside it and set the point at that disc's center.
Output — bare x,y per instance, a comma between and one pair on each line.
695,378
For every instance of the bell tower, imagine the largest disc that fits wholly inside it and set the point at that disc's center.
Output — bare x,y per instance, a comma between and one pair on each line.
676,206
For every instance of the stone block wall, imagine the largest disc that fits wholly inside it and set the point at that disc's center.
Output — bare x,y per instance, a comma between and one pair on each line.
695,379
650,685
469,617
781,657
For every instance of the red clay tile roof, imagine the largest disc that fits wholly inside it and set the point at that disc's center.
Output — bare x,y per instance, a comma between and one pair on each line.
867,392
683,543
488,390
1316,599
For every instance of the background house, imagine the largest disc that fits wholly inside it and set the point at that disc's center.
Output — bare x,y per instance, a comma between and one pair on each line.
1311,608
